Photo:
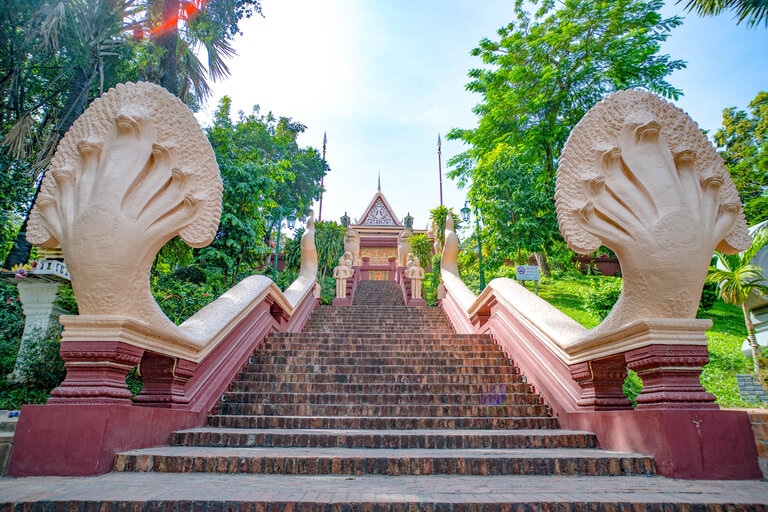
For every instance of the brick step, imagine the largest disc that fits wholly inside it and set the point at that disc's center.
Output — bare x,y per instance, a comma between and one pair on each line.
441,493
398,439
496,397
399,423
380,360
359,349
382,338
381,461
376,328
376,411
375,369
375,346
493,389
383,378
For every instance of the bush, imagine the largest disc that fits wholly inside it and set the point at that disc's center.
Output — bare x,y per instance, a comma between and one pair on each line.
709,296
600,298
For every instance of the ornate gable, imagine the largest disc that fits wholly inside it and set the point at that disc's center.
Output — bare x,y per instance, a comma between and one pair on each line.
379,213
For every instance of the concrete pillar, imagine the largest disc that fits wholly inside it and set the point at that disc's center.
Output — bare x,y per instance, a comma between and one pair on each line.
42,319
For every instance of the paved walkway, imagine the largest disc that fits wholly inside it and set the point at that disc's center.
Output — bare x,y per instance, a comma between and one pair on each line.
157,487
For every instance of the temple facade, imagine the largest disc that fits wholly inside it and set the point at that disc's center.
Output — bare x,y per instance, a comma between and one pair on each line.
376,245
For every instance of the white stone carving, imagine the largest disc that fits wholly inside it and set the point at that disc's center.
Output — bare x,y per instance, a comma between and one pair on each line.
352,246
341,273
415,273
638,176
134,171
402,247
379,215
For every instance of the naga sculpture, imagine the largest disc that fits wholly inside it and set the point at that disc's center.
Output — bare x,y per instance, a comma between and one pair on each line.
638,176
134,171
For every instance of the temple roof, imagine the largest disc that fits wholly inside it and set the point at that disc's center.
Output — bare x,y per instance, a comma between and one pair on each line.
379,212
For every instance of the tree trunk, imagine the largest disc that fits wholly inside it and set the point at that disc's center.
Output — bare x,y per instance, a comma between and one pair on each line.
541,261
168,40
752,338
77,100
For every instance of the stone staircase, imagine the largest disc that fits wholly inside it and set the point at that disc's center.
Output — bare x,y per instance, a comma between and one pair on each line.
377,388
379,407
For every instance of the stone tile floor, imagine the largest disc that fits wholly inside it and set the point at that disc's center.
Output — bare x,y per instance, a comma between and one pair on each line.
132,487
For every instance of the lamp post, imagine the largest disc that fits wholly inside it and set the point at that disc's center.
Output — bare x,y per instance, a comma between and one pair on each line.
291,222
345,220
465,214
408,221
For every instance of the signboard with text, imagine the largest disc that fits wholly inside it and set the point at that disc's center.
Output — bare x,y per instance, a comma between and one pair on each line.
527,273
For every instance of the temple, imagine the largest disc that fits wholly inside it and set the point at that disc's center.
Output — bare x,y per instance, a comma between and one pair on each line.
378,245
273,385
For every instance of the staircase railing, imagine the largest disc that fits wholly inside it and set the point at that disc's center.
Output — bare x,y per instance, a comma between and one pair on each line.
131,175
663,213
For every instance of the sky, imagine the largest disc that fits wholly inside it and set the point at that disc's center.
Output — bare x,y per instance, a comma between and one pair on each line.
384,78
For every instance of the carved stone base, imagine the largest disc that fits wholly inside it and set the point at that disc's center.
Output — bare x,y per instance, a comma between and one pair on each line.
670,375
164,380
601,382
96,372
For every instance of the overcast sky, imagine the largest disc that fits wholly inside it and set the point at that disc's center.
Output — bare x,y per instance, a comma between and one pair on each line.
384,77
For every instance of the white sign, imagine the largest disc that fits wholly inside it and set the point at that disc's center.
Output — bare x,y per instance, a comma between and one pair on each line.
527,273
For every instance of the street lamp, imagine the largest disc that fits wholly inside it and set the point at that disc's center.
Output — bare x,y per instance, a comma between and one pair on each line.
290,220
465,214
345,220
408,221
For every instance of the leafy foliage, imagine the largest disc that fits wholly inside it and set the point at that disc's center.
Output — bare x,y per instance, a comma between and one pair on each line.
743,141
263,170
538,79
421,247
753,11
737,278
600,298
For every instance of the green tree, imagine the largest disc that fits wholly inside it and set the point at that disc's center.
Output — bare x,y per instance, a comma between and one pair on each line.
737,278
538,79
262,168
743,141
181,30
753,11
437,217
421,247
61,54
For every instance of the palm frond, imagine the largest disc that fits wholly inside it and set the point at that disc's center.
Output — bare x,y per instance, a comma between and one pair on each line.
193,71
17,140
52,17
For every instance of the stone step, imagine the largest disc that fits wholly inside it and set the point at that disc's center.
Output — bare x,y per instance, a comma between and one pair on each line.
384,378
487,399
118,491
377,361
381,369
378,423
359,349
376,411
359,343
399,439
382,461
495,390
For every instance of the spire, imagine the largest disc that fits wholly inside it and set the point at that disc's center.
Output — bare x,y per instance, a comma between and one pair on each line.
322,181
440,168
379,188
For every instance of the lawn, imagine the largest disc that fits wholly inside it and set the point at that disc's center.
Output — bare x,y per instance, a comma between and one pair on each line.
725,337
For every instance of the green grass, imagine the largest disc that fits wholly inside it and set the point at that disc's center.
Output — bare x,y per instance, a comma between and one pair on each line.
725,337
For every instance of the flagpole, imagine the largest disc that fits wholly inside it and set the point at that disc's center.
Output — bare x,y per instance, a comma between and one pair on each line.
440,169
322,181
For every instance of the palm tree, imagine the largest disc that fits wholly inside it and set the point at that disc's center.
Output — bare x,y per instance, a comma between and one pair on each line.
753,11
737,278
